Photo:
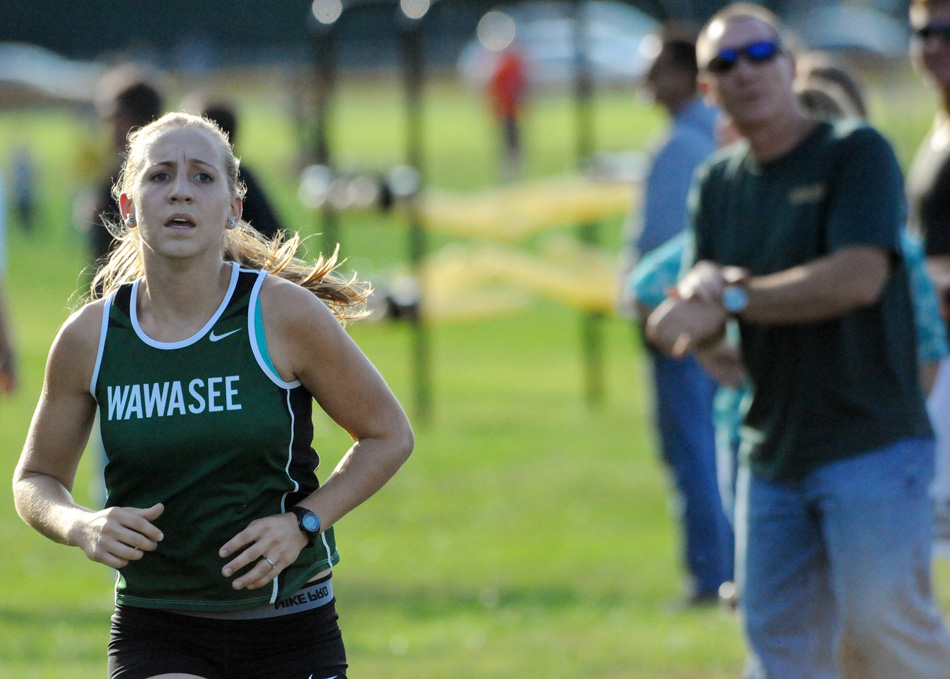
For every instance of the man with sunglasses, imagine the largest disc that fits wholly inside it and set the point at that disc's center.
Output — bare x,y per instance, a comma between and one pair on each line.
928,192
797,239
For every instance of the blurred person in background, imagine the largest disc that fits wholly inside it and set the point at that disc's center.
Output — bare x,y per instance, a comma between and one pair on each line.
928,191
819,71
8,359
258,210
827,91
507,88
203,348
683,392
126,100
24,187
9,376
797,238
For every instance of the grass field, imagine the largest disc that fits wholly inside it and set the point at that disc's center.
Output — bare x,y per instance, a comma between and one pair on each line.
530,535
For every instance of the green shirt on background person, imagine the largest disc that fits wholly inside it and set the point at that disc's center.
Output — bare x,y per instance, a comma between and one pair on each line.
819,393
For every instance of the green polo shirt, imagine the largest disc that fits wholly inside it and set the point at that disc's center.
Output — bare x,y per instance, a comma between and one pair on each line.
833,389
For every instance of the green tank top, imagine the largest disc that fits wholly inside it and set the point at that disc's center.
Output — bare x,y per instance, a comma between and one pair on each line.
207,427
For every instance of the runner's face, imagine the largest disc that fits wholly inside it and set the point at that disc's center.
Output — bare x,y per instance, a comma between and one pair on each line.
182,196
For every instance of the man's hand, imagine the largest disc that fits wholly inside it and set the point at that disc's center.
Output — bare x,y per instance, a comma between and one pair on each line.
679,326
723,362
706,281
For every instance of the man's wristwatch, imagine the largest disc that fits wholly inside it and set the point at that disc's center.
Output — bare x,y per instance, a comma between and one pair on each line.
308,522
734,299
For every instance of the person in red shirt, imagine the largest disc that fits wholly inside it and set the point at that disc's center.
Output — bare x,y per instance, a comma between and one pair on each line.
506,90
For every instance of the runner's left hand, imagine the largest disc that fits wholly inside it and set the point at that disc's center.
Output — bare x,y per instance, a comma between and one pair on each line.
277,538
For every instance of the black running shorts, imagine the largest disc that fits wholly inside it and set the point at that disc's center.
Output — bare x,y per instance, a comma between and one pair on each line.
306,645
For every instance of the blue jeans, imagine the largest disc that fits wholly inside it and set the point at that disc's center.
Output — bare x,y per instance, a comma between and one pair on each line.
684,396
840,562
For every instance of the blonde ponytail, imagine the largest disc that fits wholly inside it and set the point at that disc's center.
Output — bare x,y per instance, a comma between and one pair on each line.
346,297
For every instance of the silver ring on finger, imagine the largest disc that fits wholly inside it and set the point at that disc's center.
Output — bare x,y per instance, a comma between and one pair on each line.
272,564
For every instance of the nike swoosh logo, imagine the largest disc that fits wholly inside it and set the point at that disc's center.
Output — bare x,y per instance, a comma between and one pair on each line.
216,338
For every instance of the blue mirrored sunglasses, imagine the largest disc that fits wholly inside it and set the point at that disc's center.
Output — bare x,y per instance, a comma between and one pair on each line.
935,30
757,53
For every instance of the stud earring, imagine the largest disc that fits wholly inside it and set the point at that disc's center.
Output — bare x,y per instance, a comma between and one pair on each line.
130,221
231,221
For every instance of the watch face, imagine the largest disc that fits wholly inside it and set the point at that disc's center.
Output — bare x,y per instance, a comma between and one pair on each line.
734,299
311,523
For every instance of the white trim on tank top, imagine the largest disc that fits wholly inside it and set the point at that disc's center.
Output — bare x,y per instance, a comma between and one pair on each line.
252,331
106,307
133,315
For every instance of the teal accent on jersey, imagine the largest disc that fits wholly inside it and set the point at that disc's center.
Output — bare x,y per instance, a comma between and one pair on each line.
207,427
261,336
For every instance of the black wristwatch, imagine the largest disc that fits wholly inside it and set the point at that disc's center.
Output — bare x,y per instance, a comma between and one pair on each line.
308,522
